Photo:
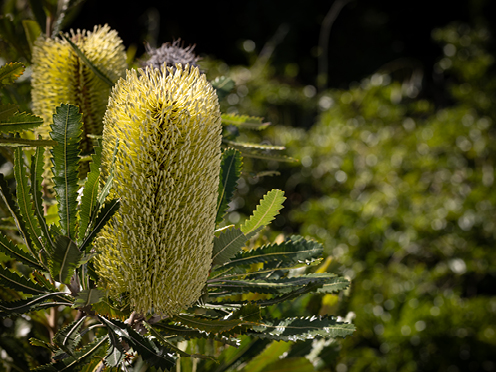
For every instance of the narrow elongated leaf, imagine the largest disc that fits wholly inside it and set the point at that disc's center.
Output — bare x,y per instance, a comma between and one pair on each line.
285,254
248,145
177,332
14,211
88,297
66,130
243,121
230,170
264,156
24,201
229,242
337,284
64,259
21,142
90,193
69,337
108,182
266,211
37,302
70,363
32,30
10,72
105,214
282,285
38,12
19,283
223,85
7,110
116,351
13,251
273,352
36,177
88,63
19,122
294,329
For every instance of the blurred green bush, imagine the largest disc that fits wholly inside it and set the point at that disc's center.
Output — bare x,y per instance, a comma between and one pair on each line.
404,199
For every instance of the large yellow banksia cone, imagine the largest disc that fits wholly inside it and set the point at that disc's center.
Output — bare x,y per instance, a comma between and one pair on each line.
60,76
157,249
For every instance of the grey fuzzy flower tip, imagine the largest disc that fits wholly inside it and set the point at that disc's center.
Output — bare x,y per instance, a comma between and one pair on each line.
170,54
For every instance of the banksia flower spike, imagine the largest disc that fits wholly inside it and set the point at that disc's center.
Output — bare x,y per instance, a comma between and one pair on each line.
158,248
170,54
60,76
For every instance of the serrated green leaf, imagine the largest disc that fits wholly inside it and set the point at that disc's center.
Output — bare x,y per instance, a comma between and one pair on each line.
227,244
294,329
37,302
285,254
24,201
19,283
19,122
69,337
10,72
37,342
105,214
337,284
13,251
66,130
266,211
230,171
21,142
90,193
88,297
180,333
223,85
274,286
72,362
14,211
7,110
36,177
244,121
209,325
88,63
153,354
64,259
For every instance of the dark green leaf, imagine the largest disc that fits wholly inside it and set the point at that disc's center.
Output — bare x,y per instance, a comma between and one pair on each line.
69,337
227,244
209,325
19,283
11,250
88,63
19,122
90,193
36,7
32,30
21,142
24,200
275,286
293,250
37,302
230,170
10,72
266,211
105,214
71,363
66,130
88,297
294,329
180,333
7,110
14,210
64,259
37,163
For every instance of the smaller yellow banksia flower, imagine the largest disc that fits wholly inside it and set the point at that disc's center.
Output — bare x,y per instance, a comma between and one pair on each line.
157,249
60,76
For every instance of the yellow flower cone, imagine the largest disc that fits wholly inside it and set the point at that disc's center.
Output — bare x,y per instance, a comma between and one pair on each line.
59,76
157,249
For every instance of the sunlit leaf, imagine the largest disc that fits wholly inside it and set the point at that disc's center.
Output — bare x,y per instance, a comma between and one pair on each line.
90,193
243,121
266,211
227,244
37,302
19,283
10,72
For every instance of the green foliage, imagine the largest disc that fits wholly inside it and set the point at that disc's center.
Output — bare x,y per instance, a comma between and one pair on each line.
404,200
266,211
230,171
